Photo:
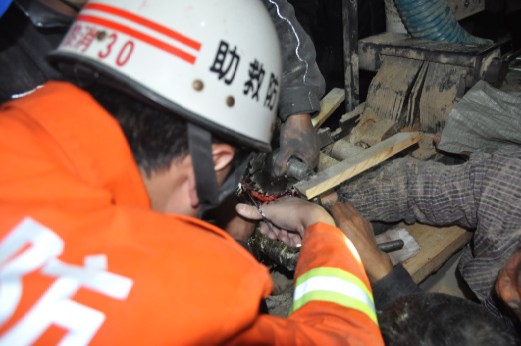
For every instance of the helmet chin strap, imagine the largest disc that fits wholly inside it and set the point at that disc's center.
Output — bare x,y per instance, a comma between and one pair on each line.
210,195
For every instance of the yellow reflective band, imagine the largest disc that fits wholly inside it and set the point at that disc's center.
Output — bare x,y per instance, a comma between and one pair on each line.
336,298
334,272
336,286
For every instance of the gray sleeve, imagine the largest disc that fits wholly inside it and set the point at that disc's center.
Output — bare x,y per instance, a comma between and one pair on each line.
418,191
394,285
482,194
302,83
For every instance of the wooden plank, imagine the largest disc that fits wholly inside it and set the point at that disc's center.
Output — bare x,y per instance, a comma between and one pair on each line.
443,84
353,114
335,175
342,150
328,105
437,245
391,88
325,161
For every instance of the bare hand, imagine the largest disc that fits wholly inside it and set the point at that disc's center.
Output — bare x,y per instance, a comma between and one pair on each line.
360,231
289,216
240,229
508,285
298,138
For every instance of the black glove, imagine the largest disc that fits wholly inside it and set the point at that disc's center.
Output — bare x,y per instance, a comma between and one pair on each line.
298,138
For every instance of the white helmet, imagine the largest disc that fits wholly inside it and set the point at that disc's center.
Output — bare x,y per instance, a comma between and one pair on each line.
215,62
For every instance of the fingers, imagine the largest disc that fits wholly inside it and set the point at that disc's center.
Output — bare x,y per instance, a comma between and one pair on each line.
347,208
280,161
298,138
341,212
273,233
289,214
329,199
240,228
288,238
346,211
360,232
508,284
294,239
336,210
248,211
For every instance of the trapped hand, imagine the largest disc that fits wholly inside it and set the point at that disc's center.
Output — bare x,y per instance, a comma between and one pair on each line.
240,229
508,284
360,232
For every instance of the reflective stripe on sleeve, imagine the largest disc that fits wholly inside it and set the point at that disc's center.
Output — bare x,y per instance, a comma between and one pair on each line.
336,286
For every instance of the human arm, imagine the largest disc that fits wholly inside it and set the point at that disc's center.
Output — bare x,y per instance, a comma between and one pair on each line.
508,284
302,82
287,222
418,191
481,194
360,231
333,301
388,282
302,87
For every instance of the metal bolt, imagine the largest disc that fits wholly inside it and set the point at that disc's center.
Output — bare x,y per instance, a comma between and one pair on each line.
198,85
100,36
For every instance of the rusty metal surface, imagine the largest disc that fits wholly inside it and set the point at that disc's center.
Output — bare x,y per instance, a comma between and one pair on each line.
476,59
351,65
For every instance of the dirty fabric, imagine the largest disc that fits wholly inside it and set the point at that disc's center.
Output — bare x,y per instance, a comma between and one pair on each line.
302,83
484,120
482,194
394,285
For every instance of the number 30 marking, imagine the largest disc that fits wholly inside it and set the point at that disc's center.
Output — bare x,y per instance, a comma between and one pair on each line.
124,53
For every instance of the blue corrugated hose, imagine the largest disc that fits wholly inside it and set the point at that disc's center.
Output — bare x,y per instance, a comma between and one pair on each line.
432,20
4,4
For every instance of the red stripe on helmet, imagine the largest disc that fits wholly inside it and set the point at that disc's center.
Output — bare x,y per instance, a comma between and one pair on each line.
138,35
145,22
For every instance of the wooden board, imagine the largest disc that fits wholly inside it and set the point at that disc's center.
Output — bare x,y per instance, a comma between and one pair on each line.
325,161
443,84
390,88
328,105
437,245
335,175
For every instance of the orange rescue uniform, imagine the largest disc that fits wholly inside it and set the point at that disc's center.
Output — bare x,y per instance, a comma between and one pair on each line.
83,258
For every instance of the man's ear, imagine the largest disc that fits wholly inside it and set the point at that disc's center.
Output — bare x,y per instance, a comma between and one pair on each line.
222,156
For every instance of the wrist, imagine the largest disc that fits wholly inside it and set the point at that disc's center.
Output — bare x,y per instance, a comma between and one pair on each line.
381,268
298,117
317,214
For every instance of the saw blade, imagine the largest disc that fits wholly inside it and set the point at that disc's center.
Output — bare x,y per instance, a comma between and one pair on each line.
259,174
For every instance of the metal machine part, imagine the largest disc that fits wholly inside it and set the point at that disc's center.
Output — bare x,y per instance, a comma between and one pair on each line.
259,176
273,253
298,169
475,60
391,246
